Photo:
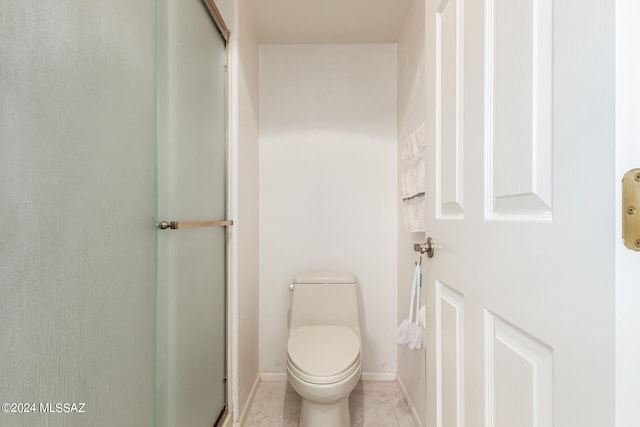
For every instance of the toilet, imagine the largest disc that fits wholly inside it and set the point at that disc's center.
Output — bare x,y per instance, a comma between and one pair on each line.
324,348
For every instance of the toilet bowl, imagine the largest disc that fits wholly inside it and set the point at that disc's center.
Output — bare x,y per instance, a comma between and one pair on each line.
324,350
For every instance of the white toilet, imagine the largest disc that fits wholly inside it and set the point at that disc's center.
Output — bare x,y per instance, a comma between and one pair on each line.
324,357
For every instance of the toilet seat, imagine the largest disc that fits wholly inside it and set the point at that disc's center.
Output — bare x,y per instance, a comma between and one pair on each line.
323,354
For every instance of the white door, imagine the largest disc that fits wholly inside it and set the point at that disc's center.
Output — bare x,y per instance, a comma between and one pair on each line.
522,289
627,261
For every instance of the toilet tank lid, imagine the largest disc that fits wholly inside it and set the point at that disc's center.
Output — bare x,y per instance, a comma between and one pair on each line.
324,277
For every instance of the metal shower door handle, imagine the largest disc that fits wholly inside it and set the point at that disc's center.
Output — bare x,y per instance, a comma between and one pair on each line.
176,225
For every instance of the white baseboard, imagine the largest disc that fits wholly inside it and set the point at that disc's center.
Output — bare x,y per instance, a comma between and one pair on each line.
414,412
247,407
379,376
273,376
366,376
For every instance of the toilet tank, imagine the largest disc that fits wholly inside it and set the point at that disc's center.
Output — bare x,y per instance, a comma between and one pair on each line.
324,298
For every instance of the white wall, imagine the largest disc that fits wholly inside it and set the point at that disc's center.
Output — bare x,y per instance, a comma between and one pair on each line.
328,185
411,113
244,184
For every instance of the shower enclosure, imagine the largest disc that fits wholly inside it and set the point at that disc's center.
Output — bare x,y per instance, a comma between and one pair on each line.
112,119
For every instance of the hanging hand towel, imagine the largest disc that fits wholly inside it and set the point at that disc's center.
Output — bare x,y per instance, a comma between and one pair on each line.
413,180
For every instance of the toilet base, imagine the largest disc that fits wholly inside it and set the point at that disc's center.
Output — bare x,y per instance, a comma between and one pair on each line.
334,414
325,405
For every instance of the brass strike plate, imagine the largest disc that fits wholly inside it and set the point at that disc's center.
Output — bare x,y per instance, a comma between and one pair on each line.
631,209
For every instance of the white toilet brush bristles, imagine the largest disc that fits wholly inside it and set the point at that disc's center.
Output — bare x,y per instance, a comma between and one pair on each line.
402,334
410,332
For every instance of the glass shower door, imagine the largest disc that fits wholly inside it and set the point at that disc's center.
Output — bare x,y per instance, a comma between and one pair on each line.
192,158
77,206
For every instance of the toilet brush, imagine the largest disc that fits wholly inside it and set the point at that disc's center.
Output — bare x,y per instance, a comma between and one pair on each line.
409,332
415,341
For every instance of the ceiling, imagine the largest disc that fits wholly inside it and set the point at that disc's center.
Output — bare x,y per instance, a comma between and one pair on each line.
329,21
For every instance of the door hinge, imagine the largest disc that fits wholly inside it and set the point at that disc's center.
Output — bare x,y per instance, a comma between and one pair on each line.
631,209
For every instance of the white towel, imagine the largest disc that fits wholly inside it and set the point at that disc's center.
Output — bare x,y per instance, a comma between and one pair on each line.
413,147
413,180
414,210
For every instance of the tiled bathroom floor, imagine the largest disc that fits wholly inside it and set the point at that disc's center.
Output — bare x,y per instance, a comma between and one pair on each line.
372,404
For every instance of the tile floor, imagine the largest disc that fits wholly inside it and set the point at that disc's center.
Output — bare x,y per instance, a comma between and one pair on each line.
372,404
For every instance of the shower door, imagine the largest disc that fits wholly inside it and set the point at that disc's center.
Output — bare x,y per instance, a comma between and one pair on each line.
77,205
192,159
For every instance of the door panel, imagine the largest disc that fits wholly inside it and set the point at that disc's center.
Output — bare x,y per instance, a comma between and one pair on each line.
450,356
192,188
522,284
519,374
518,56
449,109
